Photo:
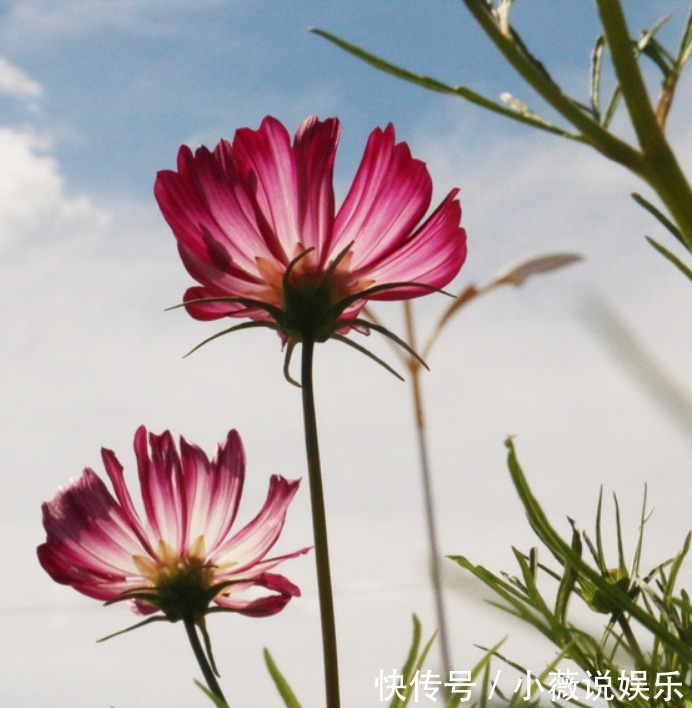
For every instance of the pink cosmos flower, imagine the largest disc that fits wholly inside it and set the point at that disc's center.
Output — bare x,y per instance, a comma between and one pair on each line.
256,228
183,555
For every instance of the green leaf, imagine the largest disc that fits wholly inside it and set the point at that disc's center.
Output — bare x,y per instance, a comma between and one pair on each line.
686,43
622,566
408,675
414,662
612,107
637,557
568,581
285,691
218,702
658,214
563,552
671,257
675,569
413,650
516,599
432,84
638,48
658,54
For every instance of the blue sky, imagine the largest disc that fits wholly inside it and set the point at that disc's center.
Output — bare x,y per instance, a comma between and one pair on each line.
124,81
94,99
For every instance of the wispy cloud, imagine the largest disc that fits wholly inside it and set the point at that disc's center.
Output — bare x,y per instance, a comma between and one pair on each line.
16,83
78,16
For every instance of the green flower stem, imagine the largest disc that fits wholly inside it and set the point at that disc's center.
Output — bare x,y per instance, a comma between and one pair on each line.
319,526
606,143
414,368
661,169
630,78
203,660
657,164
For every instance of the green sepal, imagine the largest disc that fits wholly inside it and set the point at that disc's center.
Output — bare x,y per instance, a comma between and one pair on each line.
368,353
273,310
344,303
202,625
134,594
389,334
236,328
148,620
287,364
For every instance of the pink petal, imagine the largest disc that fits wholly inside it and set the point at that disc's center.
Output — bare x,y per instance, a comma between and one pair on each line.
99,585
262,566
115,473
88,534
206,206
212,490
251,543
266,166
262,606
160,477
315,150
390,194
432,256
226,278
210,310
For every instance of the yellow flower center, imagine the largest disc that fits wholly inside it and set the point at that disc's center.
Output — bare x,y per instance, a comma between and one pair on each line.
181,585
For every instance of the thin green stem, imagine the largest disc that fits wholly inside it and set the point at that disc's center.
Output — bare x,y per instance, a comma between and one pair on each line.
629,76
319,526
414,368
633,644
660,168
203,660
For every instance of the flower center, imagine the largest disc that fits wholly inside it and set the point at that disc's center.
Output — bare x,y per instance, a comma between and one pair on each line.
309,295
182,585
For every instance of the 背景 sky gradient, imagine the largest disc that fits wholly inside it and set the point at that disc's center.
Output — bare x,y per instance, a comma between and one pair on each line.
95,98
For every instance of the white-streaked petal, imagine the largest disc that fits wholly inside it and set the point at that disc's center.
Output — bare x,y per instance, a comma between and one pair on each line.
250,545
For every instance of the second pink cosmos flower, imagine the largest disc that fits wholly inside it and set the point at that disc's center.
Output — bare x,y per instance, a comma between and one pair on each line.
257,229
182,556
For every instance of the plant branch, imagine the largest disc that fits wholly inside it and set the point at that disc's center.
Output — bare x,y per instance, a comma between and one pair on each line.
414,368
606,143
660,168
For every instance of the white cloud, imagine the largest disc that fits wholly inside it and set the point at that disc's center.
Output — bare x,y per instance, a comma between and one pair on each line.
77,16
33,200
16,83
